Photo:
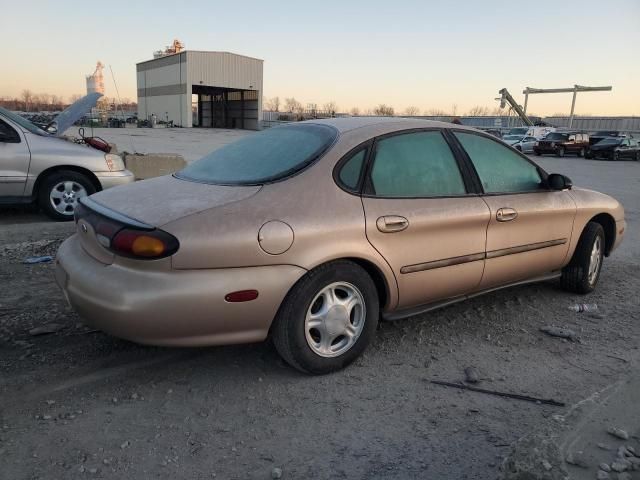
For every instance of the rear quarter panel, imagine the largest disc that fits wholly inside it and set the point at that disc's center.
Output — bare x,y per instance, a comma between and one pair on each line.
327,222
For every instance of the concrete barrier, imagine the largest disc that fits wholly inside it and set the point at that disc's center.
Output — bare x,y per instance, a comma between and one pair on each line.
153,164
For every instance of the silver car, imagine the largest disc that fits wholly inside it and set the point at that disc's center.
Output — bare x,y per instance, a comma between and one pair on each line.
522,143
36,166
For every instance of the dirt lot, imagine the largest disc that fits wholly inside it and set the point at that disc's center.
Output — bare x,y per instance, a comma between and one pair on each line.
80,404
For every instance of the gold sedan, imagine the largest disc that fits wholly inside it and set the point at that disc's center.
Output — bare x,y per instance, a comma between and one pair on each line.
312,232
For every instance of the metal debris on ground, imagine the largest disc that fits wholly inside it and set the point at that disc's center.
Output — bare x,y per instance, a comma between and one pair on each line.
584,307
41,259
515,396
46,329
560,332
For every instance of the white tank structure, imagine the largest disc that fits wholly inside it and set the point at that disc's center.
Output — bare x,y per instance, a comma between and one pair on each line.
95,81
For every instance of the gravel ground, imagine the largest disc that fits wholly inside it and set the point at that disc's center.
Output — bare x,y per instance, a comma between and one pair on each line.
77,403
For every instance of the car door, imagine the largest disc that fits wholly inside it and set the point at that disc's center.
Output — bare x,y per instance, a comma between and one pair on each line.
14,161
422,216
530,226
625,149
528,143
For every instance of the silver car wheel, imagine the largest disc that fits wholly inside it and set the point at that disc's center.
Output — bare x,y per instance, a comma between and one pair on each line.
335,319
64,196
595,260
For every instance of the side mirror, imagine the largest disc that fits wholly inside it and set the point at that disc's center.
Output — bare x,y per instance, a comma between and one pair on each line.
557,181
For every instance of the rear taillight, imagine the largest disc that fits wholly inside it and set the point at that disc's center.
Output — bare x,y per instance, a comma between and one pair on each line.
127,237
144,244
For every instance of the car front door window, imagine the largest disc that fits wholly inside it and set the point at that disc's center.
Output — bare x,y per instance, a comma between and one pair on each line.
500,169
8,134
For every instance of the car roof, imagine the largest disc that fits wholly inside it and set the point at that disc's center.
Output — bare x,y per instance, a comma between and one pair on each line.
346,124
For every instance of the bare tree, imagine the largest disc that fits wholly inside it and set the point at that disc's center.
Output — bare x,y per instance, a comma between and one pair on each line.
478,111
330,107
435,112
384,110
355,112
454,109
411,111
292,105
45,100
273,104
27,98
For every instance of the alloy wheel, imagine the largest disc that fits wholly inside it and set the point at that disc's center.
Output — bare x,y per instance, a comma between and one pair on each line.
595,260
335,319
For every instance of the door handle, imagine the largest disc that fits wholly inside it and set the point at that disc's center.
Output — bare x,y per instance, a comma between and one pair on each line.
392,223
506,214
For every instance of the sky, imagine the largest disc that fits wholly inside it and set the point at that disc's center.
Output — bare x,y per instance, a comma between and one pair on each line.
428,54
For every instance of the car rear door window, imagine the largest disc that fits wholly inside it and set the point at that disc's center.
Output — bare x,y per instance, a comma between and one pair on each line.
417,164
501,170
350,171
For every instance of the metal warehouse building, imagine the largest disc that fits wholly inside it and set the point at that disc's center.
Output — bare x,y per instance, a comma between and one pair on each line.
201,89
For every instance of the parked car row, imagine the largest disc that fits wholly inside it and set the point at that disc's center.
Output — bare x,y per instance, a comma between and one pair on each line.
608,145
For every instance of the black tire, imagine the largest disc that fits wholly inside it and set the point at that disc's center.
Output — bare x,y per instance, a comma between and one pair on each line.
519,148
288,332
537,152
56,178
560,152
638,156
575,276
616,156
581,152
588,155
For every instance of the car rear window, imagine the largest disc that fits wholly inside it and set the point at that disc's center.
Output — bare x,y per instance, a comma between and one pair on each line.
262,157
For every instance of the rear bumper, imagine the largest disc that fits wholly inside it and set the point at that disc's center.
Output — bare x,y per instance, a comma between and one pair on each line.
172,307
114,179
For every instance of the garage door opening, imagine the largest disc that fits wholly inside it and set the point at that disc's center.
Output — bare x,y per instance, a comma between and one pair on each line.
218,107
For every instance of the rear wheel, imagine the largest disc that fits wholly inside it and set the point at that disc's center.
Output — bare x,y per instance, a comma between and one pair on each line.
638,156
327,319
583,271
537,152
59,193
560,152
581,152
616,156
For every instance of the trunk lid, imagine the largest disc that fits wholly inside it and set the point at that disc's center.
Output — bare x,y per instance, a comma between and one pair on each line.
147,205
161,200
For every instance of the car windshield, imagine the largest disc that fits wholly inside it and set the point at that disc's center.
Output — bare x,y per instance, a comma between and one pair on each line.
610,141
605,133
262,157
557,136
519,131
23,122
513,137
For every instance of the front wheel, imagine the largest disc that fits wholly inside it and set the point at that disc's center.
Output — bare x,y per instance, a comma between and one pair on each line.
581,152
327,319
560,152
583,271
59,193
